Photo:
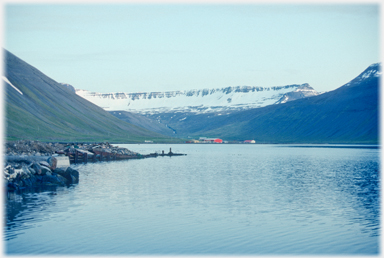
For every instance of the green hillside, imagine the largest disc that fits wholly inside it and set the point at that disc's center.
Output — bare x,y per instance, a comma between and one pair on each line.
48,111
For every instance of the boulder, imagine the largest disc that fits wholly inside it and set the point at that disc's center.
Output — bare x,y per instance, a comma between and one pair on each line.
9,170
45,170
63,173
32,170
52,161
70,174
63,179
44,163
36,166
26,172
53,180
74,175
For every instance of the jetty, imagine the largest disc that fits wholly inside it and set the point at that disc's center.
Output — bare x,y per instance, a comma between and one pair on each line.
109,153
75,152
169,154
31,164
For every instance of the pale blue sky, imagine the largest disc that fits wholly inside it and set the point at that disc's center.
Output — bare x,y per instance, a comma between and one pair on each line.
160,47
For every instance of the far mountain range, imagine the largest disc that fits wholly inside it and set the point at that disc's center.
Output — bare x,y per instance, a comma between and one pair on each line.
282,114
198,101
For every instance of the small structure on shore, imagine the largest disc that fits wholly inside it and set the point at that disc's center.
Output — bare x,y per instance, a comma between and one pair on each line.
209,140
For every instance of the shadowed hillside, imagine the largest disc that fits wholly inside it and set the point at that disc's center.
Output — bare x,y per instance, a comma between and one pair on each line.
39,108
349,114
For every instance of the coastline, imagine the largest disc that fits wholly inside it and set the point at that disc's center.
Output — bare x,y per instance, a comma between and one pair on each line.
30,164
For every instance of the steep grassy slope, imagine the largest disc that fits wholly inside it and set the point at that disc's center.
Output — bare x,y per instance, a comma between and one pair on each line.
349,114
142,121
48,111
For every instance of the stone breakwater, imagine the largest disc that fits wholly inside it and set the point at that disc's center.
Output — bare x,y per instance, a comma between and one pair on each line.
32,163
25,173
32,148
76,152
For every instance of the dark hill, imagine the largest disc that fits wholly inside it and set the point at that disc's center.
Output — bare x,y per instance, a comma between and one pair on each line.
349,114
49,111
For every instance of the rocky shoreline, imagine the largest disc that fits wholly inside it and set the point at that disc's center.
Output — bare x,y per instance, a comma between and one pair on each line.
20,176
29,164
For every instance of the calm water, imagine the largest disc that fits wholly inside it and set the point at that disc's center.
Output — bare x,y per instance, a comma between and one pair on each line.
219,199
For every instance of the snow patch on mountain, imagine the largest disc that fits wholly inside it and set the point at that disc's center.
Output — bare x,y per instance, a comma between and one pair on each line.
197,101
303,91
373,70
13,86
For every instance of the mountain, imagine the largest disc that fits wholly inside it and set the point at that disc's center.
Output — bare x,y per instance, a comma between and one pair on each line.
303,91
68,86
198,101
349,114
39,108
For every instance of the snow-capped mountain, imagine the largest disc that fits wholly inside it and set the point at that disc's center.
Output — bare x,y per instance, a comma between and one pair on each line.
302,91
348,114
198,101
374,70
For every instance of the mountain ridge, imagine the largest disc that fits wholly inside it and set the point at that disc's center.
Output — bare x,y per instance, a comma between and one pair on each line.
348,114
198,101
39,108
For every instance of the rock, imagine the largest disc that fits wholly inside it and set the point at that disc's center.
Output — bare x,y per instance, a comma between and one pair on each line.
17,173
52,161
45,170
32,170
9,170
53,179
32,147
26,170
44,163
63,179
74,175
37,168
68,174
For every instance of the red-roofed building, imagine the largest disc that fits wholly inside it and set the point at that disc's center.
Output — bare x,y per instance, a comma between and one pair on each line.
211,140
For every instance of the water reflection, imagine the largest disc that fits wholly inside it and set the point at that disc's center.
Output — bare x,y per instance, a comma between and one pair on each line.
25,208
330,186
217,200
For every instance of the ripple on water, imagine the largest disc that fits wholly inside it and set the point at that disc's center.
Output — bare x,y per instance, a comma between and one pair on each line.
220,199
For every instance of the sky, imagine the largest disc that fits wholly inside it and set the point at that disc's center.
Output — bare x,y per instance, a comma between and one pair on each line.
127,47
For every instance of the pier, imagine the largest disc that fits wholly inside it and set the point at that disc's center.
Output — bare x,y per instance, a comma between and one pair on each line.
109,154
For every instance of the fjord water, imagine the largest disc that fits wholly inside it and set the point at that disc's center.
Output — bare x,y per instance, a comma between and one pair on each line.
219,199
